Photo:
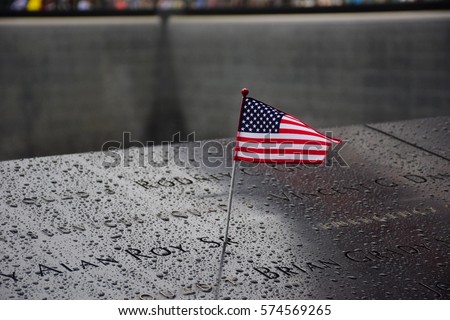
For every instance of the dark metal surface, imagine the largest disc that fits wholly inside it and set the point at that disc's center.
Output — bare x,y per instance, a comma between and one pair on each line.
420,134
72,228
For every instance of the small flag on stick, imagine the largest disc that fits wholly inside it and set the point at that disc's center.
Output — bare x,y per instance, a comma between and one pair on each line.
266,134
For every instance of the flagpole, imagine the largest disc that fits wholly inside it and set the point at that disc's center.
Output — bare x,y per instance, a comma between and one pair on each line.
230,200
244,93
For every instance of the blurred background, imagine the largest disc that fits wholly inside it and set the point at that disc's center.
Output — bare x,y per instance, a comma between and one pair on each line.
84,5
75,74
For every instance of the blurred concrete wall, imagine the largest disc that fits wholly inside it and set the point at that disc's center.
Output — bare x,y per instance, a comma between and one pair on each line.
68,85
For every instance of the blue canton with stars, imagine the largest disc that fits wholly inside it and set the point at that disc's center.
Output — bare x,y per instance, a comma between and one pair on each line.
258,117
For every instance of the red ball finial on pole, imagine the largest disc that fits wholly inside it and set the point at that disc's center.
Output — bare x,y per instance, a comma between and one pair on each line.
244,92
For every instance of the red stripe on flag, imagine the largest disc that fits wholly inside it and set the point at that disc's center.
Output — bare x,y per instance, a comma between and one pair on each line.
287,118
300,131
281,151
283,141
295,142
316,162
290,120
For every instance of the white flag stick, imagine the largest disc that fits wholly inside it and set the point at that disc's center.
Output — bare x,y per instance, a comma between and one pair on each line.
244,93
225,239
230,200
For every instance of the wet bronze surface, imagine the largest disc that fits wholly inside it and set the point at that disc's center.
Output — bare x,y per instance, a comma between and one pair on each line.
378,228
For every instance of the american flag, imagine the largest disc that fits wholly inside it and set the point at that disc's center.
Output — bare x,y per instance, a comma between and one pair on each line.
266,134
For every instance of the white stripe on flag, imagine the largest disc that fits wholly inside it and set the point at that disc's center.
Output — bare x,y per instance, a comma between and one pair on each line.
304,127
282,146
297,127
287,157
286,136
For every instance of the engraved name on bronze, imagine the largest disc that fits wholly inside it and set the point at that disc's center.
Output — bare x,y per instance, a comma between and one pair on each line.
180,181
296,268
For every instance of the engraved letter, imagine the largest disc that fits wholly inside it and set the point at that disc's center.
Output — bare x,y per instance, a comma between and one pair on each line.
214,244
312,266
168,294
165,183
287,271
267,273
350,255
106,261
136,254
283,197
85,263
438,294
204,287
415,178
12,276
43,268
385,184
297,267
160,251
408,249
327,264
183,180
